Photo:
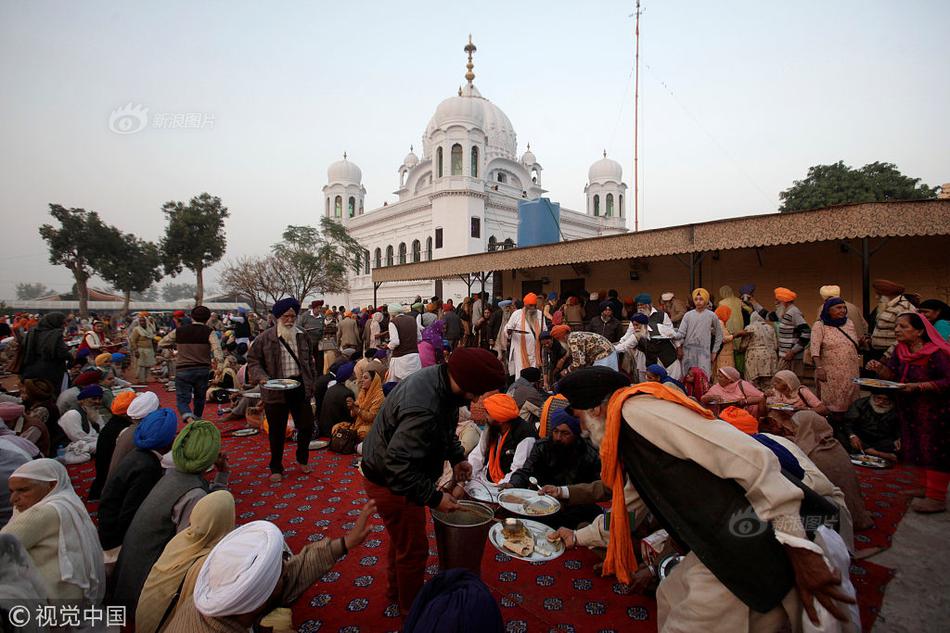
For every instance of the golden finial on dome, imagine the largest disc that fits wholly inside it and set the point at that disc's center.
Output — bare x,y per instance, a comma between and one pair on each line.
605,153
470,48
344,155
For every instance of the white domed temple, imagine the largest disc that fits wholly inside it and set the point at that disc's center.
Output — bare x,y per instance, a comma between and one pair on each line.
459,197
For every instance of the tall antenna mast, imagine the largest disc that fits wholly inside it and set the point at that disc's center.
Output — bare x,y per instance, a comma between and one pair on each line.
636,130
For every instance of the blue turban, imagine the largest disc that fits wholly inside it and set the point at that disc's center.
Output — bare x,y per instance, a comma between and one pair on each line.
504,304
657,370
389,386
92,391
157,429
83,353
118,357
380,353
344,372
644,298
640,318
561,416
242,310
747,289
287,303
552,296
606,304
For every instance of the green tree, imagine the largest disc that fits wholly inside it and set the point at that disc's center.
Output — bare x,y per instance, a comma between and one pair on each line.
309,261
174,292
194,237
26,291
129,263
827,185
76,244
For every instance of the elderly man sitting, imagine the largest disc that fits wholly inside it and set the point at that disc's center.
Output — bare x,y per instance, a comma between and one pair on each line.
82,424
248,574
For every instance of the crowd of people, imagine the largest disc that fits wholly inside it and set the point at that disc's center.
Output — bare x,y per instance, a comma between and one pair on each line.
677,413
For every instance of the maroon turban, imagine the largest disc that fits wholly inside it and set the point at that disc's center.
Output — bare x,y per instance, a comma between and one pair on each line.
87,378
476,370
887,288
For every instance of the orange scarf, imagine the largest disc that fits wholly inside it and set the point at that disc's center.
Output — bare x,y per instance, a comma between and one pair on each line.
529,327
546,414
620,557
494,460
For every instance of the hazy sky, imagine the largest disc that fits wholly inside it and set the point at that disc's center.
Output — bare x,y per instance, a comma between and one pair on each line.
738,99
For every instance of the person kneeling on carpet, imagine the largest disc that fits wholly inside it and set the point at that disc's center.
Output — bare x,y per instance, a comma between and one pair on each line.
505,444
873,426
249,573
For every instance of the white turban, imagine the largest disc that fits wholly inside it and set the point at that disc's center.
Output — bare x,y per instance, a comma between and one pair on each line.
143,404
241,572
666,296
828,292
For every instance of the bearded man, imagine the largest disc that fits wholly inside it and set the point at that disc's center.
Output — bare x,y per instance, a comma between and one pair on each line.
891,303
701,478
523,332
794,334
142,346
284,351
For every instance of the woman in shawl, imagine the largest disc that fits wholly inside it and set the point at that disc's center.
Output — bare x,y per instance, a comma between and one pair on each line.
788,389
52,524
725,358
921,361
938,313
211,520
368,402
761,353
731,389
45,354
812,433
430,344
834,348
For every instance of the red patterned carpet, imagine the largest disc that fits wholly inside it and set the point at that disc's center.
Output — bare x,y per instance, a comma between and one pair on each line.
563,595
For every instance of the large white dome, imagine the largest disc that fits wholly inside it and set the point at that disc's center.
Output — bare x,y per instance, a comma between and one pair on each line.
344,171
604,170
472,111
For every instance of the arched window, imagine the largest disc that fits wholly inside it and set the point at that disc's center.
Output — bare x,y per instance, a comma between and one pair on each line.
328,207
402,252
361,206
378,258
456,160
474,162
509,243
351,206
338,207
428,248
438,162
492,243
534,175
502,177
365,262
389,255
596,204
610,205
620,206
416,251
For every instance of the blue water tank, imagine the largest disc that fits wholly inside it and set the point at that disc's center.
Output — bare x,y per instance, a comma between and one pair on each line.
539,222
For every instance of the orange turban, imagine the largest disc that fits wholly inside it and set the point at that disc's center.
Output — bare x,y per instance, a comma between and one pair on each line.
530,299
143,314
501,407
741,419
785,295
121,402
723,312
560,331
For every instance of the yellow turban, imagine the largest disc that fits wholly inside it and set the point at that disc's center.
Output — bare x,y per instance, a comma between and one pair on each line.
102,359
827,292
702,292
785,295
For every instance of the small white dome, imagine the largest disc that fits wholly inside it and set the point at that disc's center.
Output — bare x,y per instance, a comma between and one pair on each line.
605,169
344,171
528,158
411,160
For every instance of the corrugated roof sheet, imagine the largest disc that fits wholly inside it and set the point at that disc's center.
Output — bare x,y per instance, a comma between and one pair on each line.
873,219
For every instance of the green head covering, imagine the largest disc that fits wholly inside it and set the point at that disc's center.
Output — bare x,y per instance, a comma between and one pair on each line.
196,446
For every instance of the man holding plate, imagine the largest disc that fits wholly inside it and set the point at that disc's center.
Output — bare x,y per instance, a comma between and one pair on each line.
284,353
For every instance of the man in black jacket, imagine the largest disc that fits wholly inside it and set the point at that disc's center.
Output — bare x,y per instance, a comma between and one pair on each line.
404,453
607,324
563,459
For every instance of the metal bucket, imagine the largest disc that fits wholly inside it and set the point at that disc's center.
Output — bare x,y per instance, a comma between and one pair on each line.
461,535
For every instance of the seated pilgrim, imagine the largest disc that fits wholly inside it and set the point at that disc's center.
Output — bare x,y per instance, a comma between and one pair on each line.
873,426
249,573
167,509
788,389
506,443
525,388
105,444
563,459
82,424
368,402
55,529
658,373
335,407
